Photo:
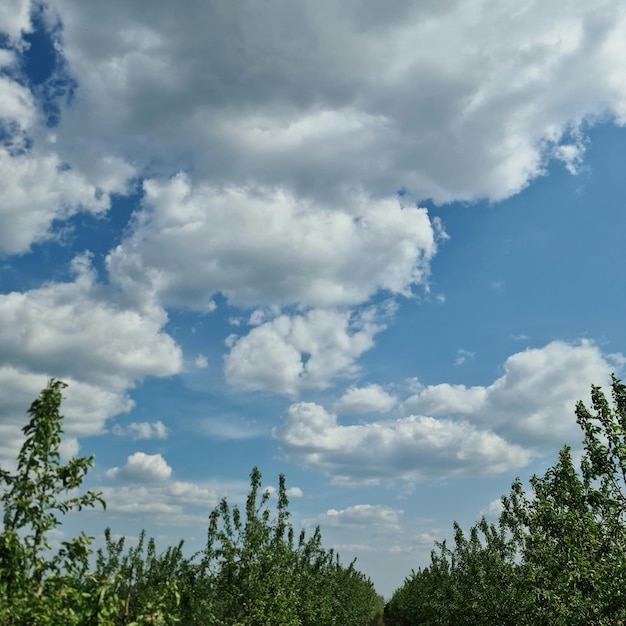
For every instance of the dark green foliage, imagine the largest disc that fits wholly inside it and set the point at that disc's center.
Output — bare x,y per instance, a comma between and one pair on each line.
250,573
556,557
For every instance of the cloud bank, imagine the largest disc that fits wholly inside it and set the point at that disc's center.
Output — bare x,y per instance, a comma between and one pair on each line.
447,430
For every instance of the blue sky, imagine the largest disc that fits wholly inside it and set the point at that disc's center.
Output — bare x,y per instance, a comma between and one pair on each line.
376,247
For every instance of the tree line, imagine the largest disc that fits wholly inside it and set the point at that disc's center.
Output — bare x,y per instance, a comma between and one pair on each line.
557,554
253,570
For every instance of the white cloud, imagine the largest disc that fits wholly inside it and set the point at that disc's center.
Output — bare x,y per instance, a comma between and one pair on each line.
36,190
7,58
69,448
533,402
369,399
85,409
15,19
290,353
16,102
493,509
451,100
294,492
201,362
371,515
38,185
454,429
142,430
169,502
142,468
191,242
413,447
76,330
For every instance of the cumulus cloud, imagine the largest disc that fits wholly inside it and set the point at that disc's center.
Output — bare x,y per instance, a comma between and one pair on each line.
451,100
142,468
15,20
493,509
161,504
294,352
85,409
38,189
413,447
17,107
452,429
532,403
265,246
292,492
72,329
38,186
369,399
169,502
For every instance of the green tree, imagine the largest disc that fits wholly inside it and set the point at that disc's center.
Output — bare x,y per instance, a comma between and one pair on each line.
40,491
558,553
256,574
251,572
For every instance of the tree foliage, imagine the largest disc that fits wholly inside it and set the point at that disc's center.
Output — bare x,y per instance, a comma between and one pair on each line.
252,571
35,582
557,554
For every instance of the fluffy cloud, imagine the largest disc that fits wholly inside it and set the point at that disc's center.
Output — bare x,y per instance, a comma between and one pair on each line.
98,346
452,100
413,447
453,429
261,246
15,19
36,190
85,409
369,399
292,492
142,468
17,108
72,330
532,403
493,509
169,502
163,504
289,353
38,185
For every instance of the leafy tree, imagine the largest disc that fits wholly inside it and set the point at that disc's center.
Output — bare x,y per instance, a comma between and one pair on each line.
251,572
260,576
41,490
557,555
